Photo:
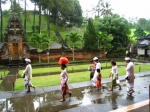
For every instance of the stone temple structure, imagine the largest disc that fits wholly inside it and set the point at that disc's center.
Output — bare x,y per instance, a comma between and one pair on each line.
14,47
13,50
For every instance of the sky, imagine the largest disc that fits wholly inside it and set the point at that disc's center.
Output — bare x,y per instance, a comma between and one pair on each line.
125,8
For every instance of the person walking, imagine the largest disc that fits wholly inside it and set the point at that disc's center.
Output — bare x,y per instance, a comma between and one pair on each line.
28,75
97,68
98,82
129,75
92,69
64,79
114,75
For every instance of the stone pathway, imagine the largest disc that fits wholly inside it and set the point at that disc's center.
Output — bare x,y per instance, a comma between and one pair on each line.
9,81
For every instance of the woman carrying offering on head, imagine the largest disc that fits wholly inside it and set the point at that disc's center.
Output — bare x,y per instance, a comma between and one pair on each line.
64,78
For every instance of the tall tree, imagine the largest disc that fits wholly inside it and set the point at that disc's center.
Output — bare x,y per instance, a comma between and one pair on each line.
106,10
64,12
1,27
34,14
105,40
39,17
39,3
142,23
139,32
118,27
72,38
47,6
102,9
1,22
25,16
90,37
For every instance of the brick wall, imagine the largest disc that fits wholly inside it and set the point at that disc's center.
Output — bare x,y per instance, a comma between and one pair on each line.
55,55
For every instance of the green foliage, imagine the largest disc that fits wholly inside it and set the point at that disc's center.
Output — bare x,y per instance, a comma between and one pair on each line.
72,38
105,40
6,13
90,37
117,27
143,23
40,41
63,11
139,32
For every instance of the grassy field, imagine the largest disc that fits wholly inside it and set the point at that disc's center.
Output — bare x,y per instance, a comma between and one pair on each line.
51,80
70,67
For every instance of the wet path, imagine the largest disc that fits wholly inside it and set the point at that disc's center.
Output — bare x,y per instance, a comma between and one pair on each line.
84,99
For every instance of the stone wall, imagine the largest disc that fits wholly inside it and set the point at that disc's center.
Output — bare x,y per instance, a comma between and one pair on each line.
55,55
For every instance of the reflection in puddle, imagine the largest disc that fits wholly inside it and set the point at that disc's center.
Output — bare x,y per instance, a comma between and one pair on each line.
86,100
49,102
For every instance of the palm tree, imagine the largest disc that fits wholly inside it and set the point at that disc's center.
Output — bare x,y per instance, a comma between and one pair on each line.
41,42
73,38
106,11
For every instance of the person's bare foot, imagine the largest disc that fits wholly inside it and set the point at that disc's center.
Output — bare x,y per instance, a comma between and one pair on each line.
110,89
28,91
34,88
62,100
70,94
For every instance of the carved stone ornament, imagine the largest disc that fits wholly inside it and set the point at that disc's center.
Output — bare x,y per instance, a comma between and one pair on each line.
13,39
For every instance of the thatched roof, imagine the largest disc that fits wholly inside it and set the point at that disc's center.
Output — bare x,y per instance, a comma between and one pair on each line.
139,38
31,48
142,46
57,46
146,42
147,37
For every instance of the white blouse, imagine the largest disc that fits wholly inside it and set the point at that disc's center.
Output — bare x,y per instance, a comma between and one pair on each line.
28,72
64,76
114,71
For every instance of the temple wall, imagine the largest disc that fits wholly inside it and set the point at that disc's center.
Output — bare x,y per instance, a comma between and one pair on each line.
55,55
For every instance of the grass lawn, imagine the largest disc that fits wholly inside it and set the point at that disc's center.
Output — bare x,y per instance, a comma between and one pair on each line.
51,80
4,73
70,67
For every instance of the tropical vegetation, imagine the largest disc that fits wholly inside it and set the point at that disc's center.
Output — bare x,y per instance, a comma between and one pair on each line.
106,29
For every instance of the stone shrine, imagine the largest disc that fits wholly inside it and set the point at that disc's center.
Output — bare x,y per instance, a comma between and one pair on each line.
14,46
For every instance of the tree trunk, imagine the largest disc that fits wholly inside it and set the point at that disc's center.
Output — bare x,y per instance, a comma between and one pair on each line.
39,18
73,53
1,27
34,17
48,22
25,19
39,57
11,3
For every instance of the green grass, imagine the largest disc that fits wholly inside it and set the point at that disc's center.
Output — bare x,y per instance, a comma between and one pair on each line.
4,73
51,80
70,67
